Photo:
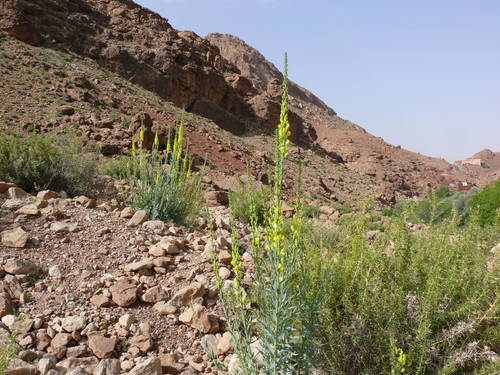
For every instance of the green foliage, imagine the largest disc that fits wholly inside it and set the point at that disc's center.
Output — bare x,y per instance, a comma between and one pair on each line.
250,201
47,161
282,326
440,204
487,204
161,182
409,302
7,352
118,168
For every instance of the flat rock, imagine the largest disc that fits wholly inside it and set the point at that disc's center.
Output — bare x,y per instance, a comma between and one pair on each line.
73,323
62,227
186,295
20,267
139,217
165,308
47,194
124,293
29,210
19,367
101,346
16,237
154,294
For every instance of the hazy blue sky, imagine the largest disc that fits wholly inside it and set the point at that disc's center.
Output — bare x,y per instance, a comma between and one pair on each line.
423,74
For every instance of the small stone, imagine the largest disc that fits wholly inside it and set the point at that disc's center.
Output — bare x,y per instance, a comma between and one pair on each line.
138,218
151,366
127,213
20,267
186,295
137,266
224,273
29,210
14,238
153,295
225,344
47,194
165,308
143,342
66,110
17,366
108,367
6,304
100,300
124,293
225,257
170,363
16,193
101,346
126,321
156,226
62,227
55,272
157,251
198,318
73,323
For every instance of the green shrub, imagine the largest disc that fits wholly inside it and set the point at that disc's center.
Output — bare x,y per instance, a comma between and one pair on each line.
47,161
7,352
161,182
250,201
285,318
412,303
118,168
487,204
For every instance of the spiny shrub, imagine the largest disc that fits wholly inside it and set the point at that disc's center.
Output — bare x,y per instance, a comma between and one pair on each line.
47,161
161,182
406,302
276,337
250,201
487,204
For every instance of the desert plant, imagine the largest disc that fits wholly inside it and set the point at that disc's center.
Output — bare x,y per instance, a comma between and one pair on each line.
47,161
487,204
161,181
410,302
7,352
277,337
250,202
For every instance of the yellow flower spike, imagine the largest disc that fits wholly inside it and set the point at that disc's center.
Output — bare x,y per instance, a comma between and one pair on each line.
156,142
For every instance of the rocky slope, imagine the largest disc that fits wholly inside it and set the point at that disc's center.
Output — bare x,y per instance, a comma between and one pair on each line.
480,169
220,78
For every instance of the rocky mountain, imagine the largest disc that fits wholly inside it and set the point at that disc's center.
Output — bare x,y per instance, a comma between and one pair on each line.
219,78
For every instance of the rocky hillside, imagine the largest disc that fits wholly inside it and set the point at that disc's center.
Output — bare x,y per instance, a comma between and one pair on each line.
480,169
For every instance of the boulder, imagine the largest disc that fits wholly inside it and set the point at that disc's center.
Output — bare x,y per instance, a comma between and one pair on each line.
124,293
101,346
20,267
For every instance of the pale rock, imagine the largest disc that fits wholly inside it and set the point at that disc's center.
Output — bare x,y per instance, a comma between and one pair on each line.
16,237
165,308
153,295
108,367
16,193
143,342
210,343
29,210
55,272
20,267
46,364
127,213
19,367
138,218
87,363
187,294
126,321
139,265
73,323
225,257
151,366
198,318
157,251
47,194
62,227
225,344
224,273
156,226
170,363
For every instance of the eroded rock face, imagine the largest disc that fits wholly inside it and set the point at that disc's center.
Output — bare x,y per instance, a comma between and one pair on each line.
132,41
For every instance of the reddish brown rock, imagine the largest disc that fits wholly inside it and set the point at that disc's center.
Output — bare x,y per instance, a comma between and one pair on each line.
101,346
124,293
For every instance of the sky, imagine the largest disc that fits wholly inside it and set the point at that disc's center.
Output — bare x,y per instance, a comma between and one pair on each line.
422,74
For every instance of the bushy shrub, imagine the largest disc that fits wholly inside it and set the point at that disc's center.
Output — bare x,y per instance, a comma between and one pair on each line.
250,201
47,161
410,303
487,204
117,168
7,352
161,182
